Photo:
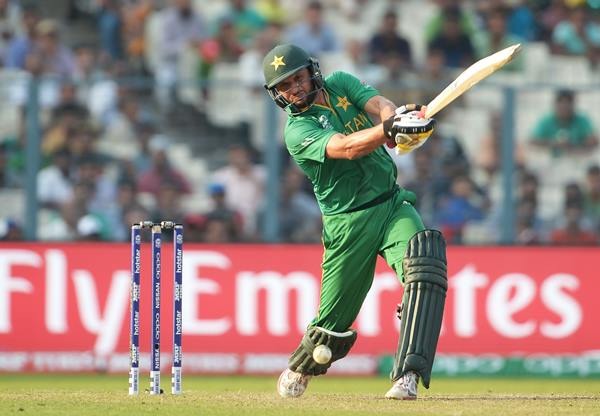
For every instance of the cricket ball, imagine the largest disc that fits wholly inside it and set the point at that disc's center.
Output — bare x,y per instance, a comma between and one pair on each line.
322,354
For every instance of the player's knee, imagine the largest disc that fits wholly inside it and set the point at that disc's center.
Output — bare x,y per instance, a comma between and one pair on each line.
425,258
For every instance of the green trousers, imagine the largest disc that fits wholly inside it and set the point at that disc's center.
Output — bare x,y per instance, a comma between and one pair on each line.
352,243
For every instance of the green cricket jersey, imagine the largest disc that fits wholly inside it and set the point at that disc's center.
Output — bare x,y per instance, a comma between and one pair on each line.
340,185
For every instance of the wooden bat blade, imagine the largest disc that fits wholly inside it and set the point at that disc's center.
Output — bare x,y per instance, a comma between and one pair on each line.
471,76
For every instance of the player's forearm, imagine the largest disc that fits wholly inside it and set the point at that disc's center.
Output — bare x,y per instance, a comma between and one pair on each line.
380,108
387,110
355,145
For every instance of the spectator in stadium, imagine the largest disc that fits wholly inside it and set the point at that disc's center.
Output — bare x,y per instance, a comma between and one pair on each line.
8,177
579,34
63,119
429,78
496,37
273,11
245,20
10,22
119,138
135,17
87,71
573,193
314,34
357,17
387,48
6,36
12,147
161,172
230,48
445,8
179,27
454,41
565,130
462,206
448,154
216,230
222,220
81,143
78,206
591,194
573,230
244,184
168,202
10,15
549,15
356,61
522,21
428,184
528,186
520,17
133,215
445,158
105,86
116,213
90,228
91,169
145,131
110,29
193,225
21,44
299,213
488,154
56,57
10,230
529,227
54,186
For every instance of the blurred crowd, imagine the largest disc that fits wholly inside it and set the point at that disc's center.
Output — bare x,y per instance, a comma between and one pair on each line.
106,141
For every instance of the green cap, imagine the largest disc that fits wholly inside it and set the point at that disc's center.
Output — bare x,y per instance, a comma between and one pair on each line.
282,61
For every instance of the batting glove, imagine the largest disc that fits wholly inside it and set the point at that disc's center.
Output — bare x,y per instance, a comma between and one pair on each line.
407,129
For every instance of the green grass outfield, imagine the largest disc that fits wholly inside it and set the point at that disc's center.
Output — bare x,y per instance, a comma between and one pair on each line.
327,396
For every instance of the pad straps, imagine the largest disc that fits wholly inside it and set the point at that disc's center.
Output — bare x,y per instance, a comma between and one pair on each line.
340,344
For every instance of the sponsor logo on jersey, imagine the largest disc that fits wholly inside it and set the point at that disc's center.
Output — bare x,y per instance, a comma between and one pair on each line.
325,123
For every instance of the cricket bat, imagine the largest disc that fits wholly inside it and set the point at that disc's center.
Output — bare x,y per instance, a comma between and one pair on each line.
471,76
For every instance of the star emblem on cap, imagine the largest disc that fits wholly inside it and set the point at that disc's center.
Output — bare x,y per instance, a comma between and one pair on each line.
343,103
277,62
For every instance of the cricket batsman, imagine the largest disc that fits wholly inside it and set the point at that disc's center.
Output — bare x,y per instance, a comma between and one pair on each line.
335,131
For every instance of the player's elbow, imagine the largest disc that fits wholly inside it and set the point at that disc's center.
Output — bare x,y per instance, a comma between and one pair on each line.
344,153
353,153
340,147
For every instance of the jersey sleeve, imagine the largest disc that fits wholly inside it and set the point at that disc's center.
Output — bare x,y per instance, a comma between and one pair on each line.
306,139
542,130
587,126
358,92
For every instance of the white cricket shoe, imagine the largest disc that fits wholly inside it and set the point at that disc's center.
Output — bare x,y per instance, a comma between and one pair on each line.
405,388
292,384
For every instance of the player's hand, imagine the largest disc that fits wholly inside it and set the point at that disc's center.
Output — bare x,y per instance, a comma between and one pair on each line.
398,114
410,108
408,129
